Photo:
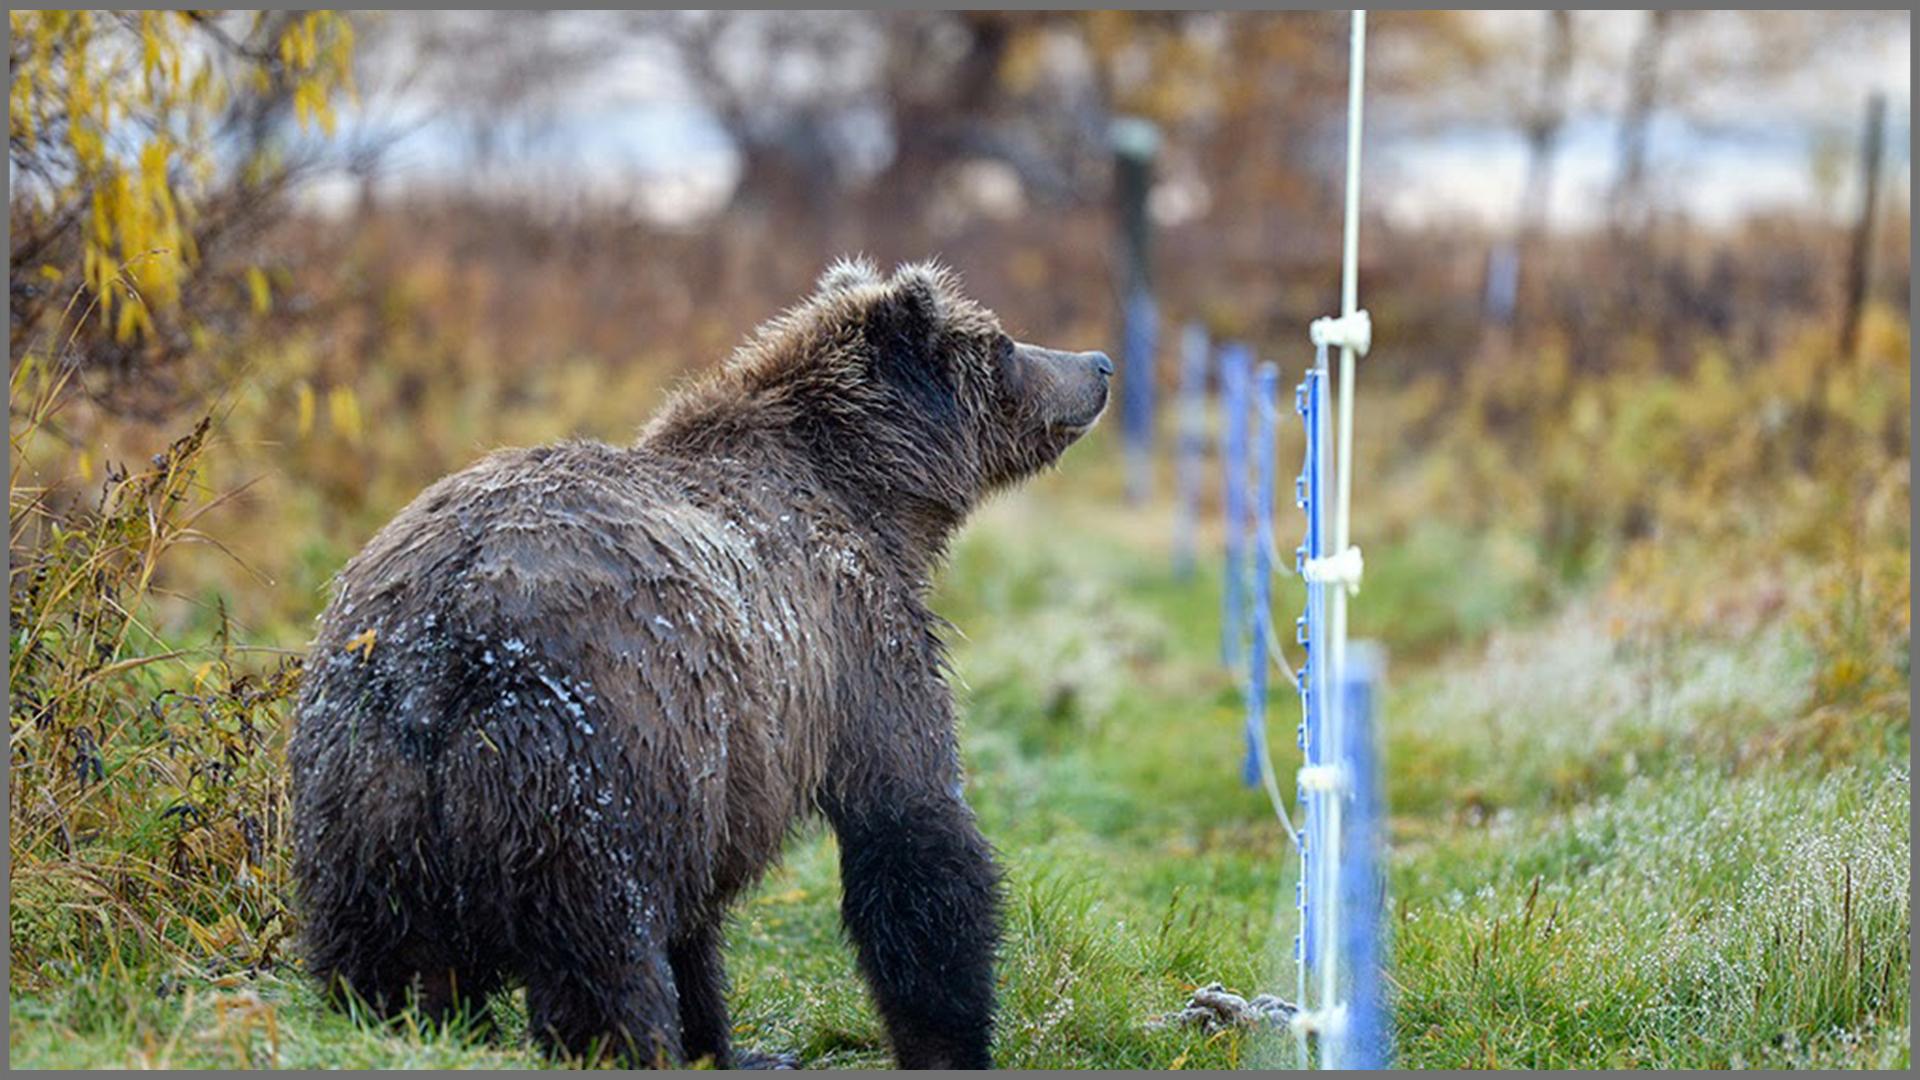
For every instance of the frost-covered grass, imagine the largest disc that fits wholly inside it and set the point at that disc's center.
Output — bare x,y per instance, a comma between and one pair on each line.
1608,847
1695,920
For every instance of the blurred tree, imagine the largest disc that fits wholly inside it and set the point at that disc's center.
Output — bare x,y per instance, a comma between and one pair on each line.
1643,90
1705,68
1545,116
140,143
795,91
1860,259
949,95
1702,71
508,107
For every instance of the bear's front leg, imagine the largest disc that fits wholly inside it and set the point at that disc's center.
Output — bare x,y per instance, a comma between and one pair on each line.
921,905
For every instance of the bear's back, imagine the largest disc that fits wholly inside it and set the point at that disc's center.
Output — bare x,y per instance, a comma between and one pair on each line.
581,605
543,538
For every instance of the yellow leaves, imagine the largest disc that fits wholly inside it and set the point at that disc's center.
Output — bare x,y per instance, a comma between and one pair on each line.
363,644
132,228
316,50
89,115
297,48
258,290
132,320
343,409
134,257
216,938
310,106
154,158
303,408
131,114
156,48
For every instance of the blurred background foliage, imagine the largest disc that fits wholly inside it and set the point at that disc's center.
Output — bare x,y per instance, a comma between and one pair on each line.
271,274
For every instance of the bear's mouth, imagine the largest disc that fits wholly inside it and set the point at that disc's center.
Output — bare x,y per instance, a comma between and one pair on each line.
1074,427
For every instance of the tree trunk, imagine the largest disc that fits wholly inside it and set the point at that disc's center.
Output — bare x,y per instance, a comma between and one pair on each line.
1860,265
1545,119
1643,95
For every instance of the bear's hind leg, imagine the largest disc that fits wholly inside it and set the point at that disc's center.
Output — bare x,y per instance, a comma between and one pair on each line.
354,949
447,992
699,977
387,980
607,995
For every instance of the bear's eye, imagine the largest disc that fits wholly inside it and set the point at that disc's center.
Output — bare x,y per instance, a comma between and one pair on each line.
1003,356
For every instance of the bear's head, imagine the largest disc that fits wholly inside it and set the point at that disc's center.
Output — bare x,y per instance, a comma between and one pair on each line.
909,395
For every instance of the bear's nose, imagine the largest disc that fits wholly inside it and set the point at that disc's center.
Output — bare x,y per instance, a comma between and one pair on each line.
1100,363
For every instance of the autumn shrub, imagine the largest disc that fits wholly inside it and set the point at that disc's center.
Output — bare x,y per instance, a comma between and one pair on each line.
1769,456
146,797
146,150
146,808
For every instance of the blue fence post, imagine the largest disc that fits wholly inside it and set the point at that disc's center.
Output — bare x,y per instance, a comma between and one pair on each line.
1365,1040
1503,283
1311,490
1138,377
1266,385
1234,365
1192,447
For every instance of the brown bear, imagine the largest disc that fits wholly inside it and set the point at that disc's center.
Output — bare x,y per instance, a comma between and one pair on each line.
567,705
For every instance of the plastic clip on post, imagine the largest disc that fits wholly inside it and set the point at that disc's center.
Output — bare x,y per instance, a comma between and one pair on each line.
1342,568
1353,331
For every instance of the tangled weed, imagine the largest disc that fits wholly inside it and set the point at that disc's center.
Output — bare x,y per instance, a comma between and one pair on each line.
146,812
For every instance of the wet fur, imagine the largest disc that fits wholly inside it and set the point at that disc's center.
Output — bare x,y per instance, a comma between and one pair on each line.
568,704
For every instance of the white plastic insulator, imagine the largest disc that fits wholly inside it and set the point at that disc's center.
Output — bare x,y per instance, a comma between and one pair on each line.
1343,568
1353,331
1321,778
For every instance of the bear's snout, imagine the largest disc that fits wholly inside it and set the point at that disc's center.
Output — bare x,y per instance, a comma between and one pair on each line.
1094,373
1102,378
1069,389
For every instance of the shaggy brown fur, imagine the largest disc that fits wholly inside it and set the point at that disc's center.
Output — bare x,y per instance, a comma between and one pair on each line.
568,704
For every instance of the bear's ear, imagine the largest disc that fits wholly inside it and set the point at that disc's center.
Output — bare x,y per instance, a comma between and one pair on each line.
847,273
908,315
903,325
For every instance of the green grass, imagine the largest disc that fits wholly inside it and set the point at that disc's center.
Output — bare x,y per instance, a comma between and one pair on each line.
1601,856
